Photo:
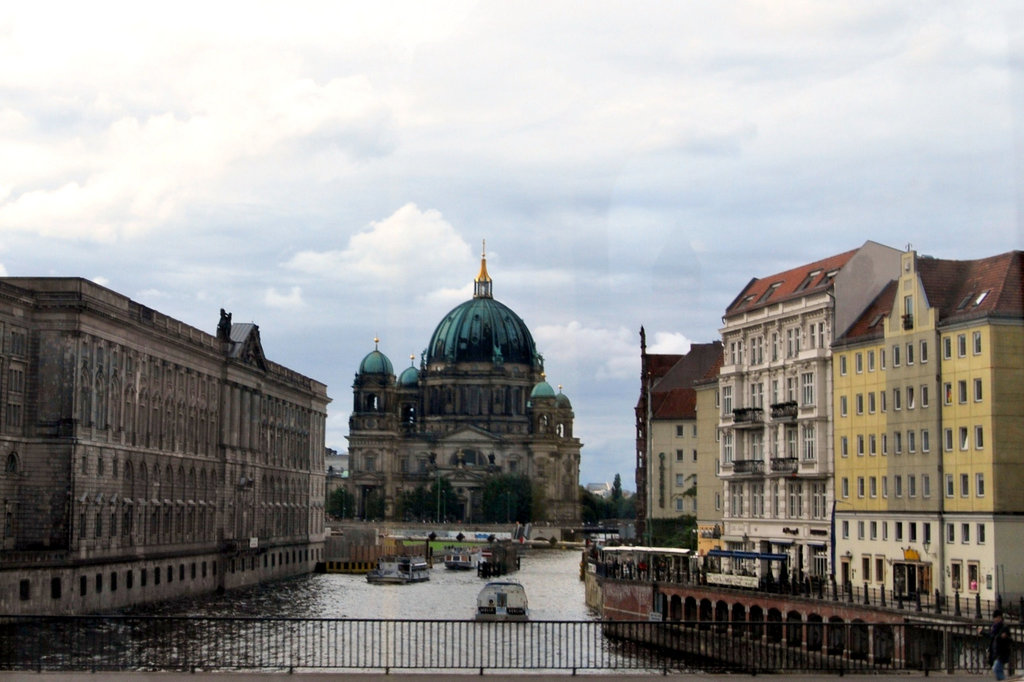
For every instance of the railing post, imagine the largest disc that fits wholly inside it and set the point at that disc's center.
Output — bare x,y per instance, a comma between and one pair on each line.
938,601
867,595
917,598
882,602
956,603
977,605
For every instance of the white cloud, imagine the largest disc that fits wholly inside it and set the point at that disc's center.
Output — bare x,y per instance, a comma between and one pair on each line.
669,343
293,299
404,252
606,353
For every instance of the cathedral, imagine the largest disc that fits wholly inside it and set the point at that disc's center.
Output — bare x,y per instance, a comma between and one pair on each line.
478,407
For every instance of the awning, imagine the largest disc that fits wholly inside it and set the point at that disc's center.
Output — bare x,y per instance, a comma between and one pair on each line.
815,543
740,554
787,541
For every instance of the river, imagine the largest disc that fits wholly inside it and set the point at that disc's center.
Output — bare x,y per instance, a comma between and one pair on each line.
551,578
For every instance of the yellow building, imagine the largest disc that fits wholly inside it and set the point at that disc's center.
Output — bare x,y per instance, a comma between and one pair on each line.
927,431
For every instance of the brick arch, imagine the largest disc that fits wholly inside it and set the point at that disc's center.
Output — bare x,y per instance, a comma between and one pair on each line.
774,625
690,609
794,628
721,616
675,607
705,614
883,643
860,642
815,632
739,615
756,620
836,636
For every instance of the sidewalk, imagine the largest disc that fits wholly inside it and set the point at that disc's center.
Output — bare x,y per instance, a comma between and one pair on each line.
467,675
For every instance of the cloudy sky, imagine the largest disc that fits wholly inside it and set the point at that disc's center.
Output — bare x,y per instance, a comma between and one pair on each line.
329,171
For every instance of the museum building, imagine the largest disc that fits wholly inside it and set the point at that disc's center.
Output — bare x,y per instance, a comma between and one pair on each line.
478,406
144,459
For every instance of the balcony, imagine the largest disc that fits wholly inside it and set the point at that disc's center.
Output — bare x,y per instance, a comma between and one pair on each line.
908,322
747,417
786,411
748,466
784,465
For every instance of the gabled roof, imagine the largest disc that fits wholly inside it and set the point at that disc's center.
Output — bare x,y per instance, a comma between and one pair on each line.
967,290
690,367
801,281
870,324
246,345
673,396
659,365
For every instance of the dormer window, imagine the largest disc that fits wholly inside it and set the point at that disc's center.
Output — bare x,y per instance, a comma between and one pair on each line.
811,276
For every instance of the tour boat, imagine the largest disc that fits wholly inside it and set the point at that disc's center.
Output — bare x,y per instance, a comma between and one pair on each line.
502,600
398,570
461,558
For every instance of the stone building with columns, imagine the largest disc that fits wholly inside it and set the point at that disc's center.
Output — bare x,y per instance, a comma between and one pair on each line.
478,406
145,459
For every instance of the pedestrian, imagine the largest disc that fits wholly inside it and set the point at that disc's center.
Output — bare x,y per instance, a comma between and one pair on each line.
999,645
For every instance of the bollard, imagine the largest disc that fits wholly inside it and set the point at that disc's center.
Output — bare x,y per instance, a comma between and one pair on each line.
883,597
956,604
977,605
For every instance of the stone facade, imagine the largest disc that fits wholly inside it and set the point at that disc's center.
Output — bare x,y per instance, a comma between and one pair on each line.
145,459
477,407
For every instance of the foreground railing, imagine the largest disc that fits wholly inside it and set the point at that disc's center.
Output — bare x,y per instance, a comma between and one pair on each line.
127,643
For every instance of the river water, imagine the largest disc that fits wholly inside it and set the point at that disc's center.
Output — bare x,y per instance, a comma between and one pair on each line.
551,578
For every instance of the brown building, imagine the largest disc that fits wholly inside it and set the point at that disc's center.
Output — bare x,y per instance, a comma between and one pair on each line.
145,459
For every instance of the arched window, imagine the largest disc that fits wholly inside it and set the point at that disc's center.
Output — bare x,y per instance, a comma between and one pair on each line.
12,463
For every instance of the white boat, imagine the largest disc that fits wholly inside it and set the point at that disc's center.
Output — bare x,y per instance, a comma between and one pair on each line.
398,570
461,558
502,600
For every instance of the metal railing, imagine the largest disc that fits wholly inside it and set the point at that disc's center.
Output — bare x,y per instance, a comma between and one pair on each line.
956,605
138,643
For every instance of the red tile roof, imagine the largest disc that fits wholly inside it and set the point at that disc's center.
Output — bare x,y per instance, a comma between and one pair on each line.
958,290
673,396
870,323
800,281
967,290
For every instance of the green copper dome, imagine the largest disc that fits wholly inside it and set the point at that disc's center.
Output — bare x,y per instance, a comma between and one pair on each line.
409,377
482,330
376,363
542,390
562,400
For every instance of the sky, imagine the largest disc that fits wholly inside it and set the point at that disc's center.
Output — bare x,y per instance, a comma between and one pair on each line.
330,170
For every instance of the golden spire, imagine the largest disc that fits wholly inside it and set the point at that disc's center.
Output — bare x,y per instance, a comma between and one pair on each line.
482,283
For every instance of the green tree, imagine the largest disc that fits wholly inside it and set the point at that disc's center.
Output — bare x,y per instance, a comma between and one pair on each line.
373,505
415,505
507,498
341,504
616,500
445,500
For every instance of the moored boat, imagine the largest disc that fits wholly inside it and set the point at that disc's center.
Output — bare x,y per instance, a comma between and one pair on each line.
398,570
502,600
461,558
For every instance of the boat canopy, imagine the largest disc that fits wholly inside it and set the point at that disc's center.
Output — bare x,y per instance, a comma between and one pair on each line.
741,554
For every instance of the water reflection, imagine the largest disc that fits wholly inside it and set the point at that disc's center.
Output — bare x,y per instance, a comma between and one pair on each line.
551,578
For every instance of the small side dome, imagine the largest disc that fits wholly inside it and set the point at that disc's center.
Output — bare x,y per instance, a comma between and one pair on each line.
376,362
542,390
409,377
562,400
